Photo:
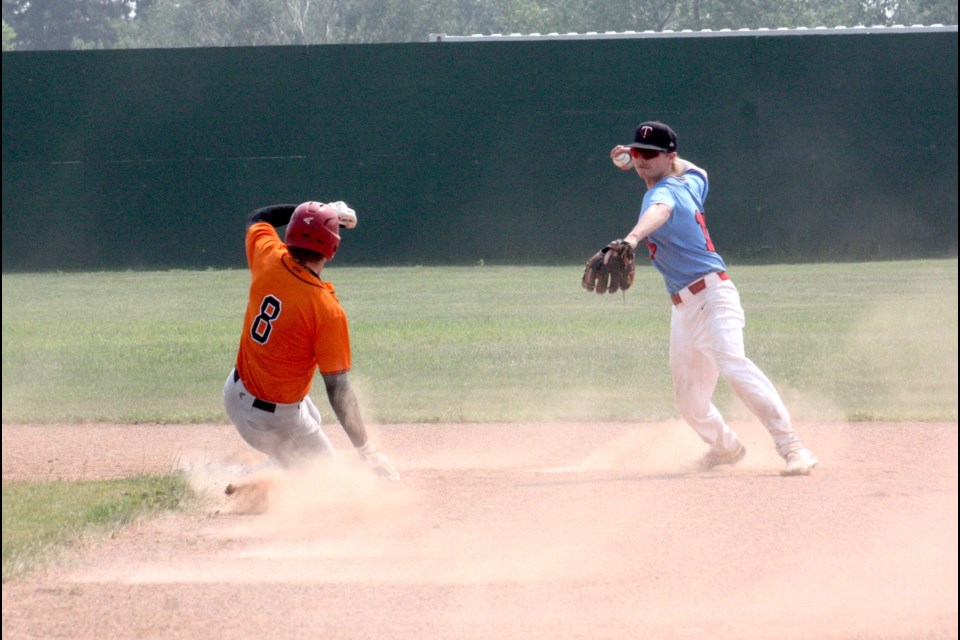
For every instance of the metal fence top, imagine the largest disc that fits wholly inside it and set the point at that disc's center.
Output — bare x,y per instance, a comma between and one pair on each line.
705,33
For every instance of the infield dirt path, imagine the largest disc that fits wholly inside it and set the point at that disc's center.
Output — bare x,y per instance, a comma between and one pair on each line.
525,531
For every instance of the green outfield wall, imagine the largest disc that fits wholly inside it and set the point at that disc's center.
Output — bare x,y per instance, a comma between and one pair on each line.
820,146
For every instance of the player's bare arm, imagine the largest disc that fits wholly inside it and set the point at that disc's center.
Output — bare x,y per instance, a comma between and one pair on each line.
652,219
345,406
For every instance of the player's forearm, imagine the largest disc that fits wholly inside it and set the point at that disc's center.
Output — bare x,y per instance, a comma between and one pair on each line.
276,215
344,403
652,219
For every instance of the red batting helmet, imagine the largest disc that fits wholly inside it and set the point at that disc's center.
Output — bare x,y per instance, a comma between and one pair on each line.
314,226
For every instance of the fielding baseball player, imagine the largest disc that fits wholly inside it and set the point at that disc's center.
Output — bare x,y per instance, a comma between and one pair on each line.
294,325
706,326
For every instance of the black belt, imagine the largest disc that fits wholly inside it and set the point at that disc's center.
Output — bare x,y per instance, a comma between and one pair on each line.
263,405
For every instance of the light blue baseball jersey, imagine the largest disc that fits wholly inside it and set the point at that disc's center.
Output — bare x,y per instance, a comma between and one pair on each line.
681,249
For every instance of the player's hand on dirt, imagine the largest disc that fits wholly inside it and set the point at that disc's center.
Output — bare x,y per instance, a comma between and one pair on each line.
378,462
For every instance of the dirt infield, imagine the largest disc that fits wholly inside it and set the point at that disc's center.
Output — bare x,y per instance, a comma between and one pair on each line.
526,531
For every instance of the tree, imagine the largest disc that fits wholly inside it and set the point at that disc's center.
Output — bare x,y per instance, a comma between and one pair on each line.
65,24
926,12
415,20
9,37
221,23
77,24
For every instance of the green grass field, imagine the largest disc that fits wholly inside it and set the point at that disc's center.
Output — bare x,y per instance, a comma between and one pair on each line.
848,341
43,519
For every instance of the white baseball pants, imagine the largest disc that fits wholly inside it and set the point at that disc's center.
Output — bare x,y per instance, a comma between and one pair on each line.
706,341
288,433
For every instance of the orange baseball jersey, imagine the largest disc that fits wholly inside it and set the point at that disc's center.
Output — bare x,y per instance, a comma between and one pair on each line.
294,323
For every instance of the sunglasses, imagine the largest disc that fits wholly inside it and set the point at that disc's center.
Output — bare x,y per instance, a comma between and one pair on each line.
646,154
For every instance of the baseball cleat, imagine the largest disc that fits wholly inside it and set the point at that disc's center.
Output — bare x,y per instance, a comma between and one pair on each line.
799,463
717,457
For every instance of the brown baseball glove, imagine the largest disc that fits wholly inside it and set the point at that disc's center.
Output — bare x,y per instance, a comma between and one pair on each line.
611,269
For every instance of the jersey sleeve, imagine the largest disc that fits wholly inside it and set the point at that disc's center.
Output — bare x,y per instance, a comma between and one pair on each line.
262,239
661,194
332,348
697,182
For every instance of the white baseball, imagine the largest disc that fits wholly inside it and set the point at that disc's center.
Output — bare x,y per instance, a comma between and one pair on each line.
622,159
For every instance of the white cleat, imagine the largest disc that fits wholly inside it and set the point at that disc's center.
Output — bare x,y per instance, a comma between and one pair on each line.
799,463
